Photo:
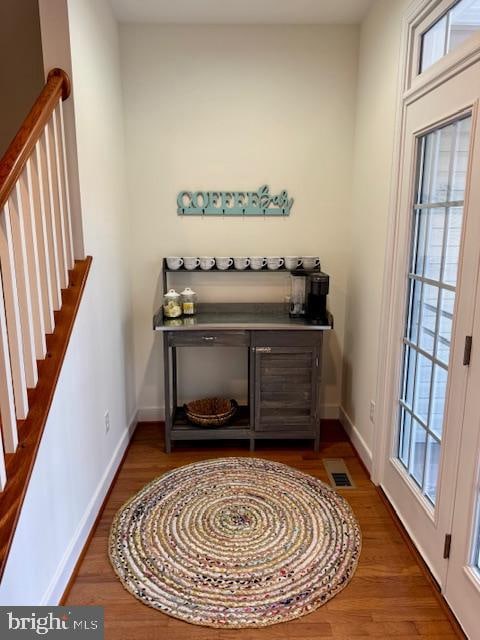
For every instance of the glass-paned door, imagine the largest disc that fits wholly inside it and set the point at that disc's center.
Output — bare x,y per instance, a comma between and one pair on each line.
432,311
431,364
442,159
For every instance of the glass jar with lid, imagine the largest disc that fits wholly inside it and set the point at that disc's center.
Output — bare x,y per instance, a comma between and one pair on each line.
172,306
189,302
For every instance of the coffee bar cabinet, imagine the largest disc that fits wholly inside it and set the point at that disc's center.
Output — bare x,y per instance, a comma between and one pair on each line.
284,365
286,376
284,356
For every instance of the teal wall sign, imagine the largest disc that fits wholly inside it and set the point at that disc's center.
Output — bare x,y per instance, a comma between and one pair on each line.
233,203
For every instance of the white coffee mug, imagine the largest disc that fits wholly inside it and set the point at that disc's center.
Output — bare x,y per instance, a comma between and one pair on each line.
191,263
206,262
257,262
292,262
310,262
223,263
174,262
274,263
241,263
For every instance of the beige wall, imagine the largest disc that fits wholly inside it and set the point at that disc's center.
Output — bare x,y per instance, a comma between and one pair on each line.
374,140
21,66
232,108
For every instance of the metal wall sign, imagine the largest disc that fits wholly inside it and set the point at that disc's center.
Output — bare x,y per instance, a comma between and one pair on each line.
234,203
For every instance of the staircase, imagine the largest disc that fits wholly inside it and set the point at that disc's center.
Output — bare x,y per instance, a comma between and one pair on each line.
41,286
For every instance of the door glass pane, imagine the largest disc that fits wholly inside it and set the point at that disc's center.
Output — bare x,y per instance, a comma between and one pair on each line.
445,325
423,380
409,376
460,160
404,449
450,31
464,20
429,318
436,238
433,44
476,549
433,459
452,244
436,165
417,452
439,392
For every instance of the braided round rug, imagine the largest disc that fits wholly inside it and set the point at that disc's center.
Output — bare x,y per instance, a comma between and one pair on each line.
235,542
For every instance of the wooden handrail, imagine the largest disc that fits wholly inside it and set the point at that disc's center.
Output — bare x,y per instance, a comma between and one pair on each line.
16,156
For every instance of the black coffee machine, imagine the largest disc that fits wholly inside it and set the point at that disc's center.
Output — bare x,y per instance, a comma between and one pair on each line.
317,291
309,296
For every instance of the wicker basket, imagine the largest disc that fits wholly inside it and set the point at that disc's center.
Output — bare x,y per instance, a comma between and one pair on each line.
210,412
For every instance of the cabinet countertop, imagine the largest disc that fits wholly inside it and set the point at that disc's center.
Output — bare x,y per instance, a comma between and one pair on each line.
234,316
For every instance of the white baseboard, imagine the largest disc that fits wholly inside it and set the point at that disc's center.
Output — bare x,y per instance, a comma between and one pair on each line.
157,414
59,582
356,439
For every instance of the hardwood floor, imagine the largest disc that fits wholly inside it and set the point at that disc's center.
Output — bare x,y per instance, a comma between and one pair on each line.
389,596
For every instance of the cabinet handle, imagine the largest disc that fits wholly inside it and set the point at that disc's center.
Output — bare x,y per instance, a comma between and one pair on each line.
208,338
264,349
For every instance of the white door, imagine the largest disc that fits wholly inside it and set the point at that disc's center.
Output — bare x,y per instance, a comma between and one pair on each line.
440,236
462,590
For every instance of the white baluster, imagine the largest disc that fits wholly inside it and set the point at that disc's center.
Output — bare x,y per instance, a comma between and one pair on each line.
27,209
12,313
23,286
57,194
65,185
7,403
45,167
38,198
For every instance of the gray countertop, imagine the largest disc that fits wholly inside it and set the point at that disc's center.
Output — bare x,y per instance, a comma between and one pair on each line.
225,316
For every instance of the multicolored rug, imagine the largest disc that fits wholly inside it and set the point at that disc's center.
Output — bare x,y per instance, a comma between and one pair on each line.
235,542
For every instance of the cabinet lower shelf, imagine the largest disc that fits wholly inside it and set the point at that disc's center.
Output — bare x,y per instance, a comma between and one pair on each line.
238,429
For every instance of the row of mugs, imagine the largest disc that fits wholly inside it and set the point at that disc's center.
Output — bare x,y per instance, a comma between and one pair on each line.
240,263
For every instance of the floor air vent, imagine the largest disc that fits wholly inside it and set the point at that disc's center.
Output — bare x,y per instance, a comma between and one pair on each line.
338,473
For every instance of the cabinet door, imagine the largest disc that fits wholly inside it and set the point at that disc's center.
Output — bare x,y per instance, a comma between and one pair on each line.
286,382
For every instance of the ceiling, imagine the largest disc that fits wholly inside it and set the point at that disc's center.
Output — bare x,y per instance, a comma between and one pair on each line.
241,11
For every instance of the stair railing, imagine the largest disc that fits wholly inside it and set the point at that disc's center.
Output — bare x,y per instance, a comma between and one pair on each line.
36,250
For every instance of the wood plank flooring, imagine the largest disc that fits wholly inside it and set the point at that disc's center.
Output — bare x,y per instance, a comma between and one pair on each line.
389,596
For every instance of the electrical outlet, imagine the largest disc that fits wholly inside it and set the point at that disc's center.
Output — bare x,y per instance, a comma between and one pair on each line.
372,411
107,421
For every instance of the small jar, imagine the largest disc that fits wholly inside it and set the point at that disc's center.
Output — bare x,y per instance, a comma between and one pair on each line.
172,307
189,302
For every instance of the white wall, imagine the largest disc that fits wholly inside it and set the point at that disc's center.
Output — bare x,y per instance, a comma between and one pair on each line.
378,75
77,459
224,107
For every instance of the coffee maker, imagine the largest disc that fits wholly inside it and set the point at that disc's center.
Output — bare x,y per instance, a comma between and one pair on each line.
308,297
317,291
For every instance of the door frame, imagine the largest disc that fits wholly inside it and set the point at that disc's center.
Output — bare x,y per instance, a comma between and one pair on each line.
411,87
